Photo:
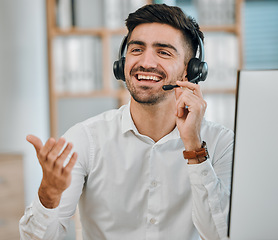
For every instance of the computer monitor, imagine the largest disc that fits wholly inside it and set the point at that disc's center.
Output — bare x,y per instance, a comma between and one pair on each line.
254,196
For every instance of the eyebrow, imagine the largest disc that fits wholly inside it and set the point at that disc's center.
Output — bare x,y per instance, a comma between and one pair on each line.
165,45
136,42
156,44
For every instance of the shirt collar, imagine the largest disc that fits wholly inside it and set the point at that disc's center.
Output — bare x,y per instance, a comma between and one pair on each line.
127,121
128,125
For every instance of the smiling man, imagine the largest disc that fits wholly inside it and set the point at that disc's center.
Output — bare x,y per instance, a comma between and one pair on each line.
153,169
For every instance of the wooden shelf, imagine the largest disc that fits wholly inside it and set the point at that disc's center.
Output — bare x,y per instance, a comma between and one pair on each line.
220,28
91,94
94,32
219,91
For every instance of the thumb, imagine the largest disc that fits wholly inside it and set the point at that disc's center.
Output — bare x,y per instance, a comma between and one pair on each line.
35,141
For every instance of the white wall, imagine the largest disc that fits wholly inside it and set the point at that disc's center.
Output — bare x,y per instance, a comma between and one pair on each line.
23,83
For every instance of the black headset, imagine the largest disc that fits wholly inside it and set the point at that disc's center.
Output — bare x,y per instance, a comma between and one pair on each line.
197,69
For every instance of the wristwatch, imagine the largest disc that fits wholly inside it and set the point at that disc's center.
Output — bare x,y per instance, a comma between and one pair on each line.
200,154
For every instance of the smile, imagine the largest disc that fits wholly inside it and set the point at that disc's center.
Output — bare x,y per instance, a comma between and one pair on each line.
148,77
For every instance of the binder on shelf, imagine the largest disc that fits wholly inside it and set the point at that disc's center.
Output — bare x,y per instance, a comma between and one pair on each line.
216,12
64,14
77,64
89,13
221,51
97,56
88,67
112,14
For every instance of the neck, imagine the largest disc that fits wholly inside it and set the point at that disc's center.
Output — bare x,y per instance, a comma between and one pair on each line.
154,121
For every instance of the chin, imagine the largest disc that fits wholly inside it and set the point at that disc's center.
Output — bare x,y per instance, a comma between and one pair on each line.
149,100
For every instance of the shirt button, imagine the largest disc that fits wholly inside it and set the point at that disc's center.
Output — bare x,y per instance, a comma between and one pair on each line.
154,183
205,173
152,220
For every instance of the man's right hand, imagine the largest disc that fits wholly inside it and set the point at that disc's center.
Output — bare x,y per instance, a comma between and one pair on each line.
56,177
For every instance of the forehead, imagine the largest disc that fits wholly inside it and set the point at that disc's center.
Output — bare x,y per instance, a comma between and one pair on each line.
157,32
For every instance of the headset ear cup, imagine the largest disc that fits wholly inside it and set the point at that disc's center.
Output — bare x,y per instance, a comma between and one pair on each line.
203,69
197,70
193,68
118,69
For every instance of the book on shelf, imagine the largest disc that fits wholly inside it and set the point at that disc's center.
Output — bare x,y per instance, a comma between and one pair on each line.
216,12
77,64
64,14
89,13
110,14
222,57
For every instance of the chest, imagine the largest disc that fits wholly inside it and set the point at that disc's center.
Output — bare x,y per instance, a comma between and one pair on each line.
131,173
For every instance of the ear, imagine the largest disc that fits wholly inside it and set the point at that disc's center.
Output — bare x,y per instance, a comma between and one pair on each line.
184,78
184,75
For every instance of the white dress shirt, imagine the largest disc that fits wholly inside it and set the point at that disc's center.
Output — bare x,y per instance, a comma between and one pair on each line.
130,187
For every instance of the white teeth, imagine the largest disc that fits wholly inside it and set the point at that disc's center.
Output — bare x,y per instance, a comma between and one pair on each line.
154,78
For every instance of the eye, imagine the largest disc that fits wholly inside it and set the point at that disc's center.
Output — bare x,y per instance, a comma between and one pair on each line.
164,53
136,50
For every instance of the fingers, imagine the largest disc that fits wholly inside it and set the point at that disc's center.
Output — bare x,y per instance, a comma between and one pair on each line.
68,168
185,101
189,98
195,88
58,164
44,151
35,141
52,155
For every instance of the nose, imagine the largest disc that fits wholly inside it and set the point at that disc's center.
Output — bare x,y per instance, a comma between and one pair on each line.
148,59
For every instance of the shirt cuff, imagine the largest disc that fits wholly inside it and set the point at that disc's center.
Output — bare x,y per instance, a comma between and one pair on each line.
202,173
43,214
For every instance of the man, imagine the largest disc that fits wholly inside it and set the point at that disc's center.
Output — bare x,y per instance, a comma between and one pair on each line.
130,177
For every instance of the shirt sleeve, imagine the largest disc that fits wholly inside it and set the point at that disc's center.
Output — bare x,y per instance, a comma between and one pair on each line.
210,184
39,222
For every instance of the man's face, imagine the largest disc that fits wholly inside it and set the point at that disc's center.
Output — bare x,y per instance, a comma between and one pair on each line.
155,57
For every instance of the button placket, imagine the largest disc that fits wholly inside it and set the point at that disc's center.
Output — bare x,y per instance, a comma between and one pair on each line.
154,193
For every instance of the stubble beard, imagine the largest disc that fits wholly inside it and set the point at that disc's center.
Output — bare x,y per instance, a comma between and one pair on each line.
142,95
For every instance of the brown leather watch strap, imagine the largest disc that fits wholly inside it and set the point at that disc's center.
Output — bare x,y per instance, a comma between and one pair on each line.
200,154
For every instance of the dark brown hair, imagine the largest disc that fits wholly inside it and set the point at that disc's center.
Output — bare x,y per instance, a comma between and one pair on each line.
164,14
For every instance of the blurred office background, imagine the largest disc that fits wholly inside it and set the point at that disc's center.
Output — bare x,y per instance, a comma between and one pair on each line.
24,75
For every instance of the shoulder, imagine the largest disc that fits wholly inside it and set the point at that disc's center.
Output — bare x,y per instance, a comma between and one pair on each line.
103,118
83,129
85,135
106,122
219,139
214,129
